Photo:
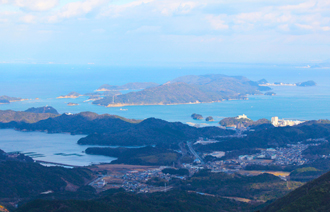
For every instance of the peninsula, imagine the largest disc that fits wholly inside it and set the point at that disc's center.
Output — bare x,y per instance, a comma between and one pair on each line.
7,99
71,95
301,84
188,90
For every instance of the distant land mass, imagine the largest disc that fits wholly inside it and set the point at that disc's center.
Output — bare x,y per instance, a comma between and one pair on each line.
71,95
306,84
197,116
209,118
301,84
128,86
7,99
188,90
14,117
46,109
72,104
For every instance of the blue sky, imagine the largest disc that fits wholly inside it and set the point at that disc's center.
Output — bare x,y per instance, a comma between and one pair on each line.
128,32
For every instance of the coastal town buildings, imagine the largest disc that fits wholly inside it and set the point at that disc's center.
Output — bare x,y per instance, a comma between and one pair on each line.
284,122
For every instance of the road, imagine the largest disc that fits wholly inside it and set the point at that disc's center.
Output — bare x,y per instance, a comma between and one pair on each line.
193,152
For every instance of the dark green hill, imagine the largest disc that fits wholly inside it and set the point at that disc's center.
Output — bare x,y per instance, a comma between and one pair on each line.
28,179
138,156
46,109
7,116
173,201
188,89
81,123
152,131
313,196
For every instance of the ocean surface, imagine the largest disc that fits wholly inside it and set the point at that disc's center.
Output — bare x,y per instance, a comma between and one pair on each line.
46,82
59,148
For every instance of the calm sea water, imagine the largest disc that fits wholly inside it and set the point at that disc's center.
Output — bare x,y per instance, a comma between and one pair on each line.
59,148
46,82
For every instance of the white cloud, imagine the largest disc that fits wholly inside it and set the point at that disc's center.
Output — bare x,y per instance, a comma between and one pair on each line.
28,19
326,28
302,6
217,22
75,9
33,5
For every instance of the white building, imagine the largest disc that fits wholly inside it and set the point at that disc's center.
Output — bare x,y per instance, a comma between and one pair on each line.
242,117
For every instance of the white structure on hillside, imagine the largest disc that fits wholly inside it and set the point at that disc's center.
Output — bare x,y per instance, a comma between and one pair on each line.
275,121
283,122
242,117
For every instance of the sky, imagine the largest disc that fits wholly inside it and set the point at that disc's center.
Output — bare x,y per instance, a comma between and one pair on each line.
130,32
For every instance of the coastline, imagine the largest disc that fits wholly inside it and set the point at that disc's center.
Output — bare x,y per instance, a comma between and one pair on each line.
68,97
189,103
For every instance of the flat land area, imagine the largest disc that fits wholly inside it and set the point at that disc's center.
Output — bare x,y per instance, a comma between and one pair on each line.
120,168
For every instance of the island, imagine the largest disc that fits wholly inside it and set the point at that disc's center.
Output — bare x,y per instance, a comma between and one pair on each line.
72,104
128,86
306,84
209,118
7,99
46,109
196,116
188,90
71,95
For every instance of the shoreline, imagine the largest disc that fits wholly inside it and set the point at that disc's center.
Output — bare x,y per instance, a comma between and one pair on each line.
189,103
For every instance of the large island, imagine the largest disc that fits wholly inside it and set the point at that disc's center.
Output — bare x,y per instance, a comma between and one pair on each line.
188,90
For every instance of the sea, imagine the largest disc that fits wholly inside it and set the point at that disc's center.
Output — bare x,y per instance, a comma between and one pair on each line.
42,83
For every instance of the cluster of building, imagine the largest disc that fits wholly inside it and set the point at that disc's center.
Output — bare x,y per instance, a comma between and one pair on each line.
135,181
284,122
292,155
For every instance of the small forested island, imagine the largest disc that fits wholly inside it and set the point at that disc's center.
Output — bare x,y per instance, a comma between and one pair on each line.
7,99
197,116
270,94
71,95
187,90
306,84
72,104
128,86
209,118
46,109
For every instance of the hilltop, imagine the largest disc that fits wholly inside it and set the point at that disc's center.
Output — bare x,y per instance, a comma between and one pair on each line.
188,90
46,109
128,86
7,116
313,196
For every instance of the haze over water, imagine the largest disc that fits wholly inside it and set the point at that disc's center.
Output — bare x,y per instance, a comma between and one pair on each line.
46,82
